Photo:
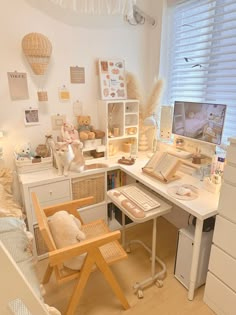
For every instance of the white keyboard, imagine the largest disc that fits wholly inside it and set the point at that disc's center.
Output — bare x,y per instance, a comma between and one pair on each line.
142,199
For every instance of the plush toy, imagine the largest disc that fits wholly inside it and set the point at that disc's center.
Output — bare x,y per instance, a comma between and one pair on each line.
85,128
69,133
23,151
66,231
86,131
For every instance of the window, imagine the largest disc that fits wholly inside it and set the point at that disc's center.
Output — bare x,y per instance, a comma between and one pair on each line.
202,55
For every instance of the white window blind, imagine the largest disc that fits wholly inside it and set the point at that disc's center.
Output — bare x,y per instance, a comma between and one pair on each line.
202,65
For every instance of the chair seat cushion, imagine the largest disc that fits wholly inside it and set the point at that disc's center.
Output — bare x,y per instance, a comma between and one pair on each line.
65,230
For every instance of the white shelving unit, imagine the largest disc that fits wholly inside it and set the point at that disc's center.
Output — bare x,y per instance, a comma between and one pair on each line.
220,291
120,121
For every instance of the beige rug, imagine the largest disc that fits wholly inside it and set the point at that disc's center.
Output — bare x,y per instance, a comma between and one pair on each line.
98,299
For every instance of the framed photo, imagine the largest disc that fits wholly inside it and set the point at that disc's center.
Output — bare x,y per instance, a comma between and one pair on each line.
112,79
58,121
31,116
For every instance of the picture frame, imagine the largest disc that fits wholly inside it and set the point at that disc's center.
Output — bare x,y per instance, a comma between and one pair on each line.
31,116
57,121
112,79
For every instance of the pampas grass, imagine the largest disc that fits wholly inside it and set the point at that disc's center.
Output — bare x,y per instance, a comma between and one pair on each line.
154,99
146,109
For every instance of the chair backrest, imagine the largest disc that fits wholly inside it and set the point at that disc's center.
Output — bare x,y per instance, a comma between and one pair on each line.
43,223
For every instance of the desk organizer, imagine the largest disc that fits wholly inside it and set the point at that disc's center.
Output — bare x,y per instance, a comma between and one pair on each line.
211,187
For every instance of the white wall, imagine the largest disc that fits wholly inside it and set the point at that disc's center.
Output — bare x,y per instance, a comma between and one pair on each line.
75,42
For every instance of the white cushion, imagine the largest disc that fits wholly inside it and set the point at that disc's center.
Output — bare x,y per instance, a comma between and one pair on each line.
65,230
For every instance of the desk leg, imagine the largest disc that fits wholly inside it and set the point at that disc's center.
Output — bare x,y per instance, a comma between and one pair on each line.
154,234
123,229
195,258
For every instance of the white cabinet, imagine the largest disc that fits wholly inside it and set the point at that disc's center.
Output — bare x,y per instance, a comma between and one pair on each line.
220,290
53,189
120,121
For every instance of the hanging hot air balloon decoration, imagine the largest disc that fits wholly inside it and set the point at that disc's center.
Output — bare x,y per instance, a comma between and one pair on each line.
37,49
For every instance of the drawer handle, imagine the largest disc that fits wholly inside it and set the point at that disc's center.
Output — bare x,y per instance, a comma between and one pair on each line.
50,193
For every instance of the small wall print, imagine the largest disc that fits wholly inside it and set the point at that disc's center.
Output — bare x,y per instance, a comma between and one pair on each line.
58,121
18,85
31,116
112,79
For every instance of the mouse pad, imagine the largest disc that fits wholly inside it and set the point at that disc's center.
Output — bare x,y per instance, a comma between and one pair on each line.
172,191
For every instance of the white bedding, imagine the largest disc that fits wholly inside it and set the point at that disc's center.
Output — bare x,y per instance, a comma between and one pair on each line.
194,126
8,207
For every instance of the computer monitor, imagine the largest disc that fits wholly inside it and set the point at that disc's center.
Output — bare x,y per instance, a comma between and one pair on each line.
199,121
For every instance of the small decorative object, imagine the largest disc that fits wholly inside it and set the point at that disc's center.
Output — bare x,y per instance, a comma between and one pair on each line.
18,85
112,79
42,150
85,128
64,94
69,133
197,157
213,183
42,96
37,49
57,121
143,143
126,147
179,143
126,161
77,75
23,151
31,116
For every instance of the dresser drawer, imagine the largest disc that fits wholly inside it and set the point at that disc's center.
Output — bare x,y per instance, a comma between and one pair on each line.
49,194
226,207
219,297
223,266
225,235
230,174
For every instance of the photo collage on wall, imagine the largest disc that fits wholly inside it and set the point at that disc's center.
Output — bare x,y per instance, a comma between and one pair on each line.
112,79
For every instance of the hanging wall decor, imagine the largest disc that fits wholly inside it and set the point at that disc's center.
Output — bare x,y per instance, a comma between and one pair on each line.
31,116
77,75
112,79
37,49
18,85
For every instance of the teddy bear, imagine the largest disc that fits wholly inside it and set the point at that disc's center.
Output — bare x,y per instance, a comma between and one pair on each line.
69,133
85,128
23,151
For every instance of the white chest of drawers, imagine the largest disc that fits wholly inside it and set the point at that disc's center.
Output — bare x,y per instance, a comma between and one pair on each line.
220,290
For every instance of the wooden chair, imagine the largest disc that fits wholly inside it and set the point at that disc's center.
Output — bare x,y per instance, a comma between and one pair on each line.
101,245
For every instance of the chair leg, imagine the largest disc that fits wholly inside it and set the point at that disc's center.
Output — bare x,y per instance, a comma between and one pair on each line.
109,276
47,274
81,282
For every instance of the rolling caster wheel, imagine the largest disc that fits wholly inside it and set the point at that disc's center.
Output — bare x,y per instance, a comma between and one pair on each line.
128,250
140,294
159,283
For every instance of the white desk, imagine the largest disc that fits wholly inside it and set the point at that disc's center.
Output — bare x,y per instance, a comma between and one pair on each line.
203,207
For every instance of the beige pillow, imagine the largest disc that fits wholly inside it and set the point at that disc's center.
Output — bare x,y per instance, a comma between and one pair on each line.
65,230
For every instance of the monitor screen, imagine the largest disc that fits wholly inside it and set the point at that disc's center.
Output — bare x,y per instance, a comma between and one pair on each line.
201,121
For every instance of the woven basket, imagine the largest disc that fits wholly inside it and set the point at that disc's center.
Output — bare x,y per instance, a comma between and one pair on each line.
37,49
93,185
